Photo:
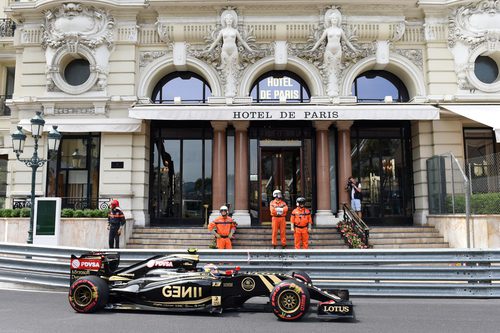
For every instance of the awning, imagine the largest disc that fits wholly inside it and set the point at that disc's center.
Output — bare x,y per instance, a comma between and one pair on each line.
488,115
285,112
119,125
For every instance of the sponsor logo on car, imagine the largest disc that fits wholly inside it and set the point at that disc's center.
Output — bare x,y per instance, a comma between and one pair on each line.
181,292
335,308
248,284
159,263
89,264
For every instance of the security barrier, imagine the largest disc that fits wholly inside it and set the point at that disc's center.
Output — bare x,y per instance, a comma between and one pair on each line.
405,273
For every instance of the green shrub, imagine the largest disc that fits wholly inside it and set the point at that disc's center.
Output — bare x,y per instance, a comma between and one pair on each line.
3,212
481,203
7,212
67,212
86,212
78,213
104,213
16,212
94,213
25,212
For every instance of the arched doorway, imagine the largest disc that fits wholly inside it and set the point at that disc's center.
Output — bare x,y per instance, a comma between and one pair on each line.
381,153
280,151
181,156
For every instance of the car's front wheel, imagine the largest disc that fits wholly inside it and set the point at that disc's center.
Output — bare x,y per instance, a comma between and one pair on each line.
290,300
88,294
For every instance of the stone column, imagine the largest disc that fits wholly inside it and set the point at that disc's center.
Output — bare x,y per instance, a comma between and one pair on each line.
219,173
324,214
344,161
241,213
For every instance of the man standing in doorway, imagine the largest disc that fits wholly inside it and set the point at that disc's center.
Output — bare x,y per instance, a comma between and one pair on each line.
356,196
278,213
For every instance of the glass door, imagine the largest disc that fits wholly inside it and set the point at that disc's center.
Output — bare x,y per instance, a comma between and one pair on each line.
383,165
280,170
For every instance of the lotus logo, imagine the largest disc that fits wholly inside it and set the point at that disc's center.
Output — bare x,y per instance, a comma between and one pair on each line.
248,284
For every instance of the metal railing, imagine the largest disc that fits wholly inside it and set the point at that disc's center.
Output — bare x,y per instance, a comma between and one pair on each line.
405,273
7,27
484,175
4,109
69,202
360,226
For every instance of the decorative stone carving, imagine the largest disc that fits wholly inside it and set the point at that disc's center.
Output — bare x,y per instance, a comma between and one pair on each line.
474,30
73,23
334,56
75,31
148,56
233,54
414,55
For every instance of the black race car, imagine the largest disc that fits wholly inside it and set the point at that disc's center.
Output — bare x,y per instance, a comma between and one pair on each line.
174,282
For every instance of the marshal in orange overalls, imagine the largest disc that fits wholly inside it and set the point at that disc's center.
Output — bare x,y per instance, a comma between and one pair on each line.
223,226
279,221
301,221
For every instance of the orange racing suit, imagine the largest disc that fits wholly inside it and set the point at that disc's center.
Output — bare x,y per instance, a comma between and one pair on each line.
301,220
224,227
278,220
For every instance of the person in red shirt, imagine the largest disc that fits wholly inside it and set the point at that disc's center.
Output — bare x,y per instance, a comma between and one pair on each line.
278,212
223,228
301,224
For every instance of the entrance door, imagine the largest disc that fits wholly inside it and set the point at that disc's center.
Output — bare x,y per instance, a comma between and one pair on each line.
280,169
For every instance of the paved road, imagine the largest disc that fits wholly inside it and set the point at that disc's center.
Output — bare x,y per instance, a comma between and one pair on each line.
30,311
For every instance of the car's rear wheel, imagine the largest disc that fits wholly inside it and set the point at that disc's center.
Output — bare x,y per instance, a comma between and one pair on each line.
88,294
301,275
290,300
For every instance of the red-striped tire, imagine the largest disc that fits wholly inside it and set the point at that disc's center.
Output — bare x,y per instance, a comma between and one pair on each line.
88,294
290,300
302,276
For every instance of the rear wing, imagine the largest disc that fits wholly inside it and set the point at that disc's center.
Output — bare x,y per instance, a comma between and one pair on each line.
93,263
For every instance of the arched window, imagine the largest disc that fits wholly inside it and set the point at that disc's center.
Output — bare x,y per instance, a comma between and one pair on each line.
374,86
276,85
190,87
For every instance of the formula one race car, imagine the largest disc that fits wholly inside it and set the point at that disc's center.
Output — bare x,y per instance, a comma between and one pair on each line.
173,282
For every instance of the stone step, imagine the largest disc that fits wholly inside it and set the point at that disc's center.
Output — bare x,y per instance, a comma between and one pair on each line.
411,246
163,246
407,240
205,234
260,237
401,229
257,230
403,235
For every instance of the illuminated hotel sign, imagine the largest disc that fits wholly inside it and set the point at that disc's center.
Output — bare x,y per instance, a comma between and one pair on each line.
278,88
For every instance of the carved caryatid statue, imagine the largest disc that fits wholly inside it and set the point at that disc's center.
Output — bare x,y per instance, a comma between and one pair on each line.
333,50
229,55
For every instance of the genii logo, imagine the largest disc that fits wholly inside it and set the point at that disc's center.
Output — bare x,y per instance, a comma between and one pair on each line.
90,264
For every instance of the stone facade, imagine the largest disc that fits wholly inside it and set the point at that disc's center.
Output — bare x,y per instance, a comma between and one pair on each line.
130,45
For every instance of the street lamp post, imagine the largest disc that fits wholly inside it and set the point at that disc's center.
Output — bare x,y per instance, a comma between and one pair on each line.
18,139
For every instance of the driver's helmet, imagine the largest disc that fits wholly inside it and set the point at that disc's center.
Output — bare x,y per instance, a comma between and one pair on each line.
301,201
277,194
211,268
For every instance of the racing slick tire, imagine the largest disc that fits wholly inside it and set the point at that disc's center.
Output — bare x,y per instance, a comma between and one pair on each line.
290,300
88,294
301,275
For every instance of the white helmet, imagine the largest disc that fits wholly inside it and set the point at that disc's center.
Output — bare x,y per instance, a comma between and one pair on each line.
277,194
223,208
